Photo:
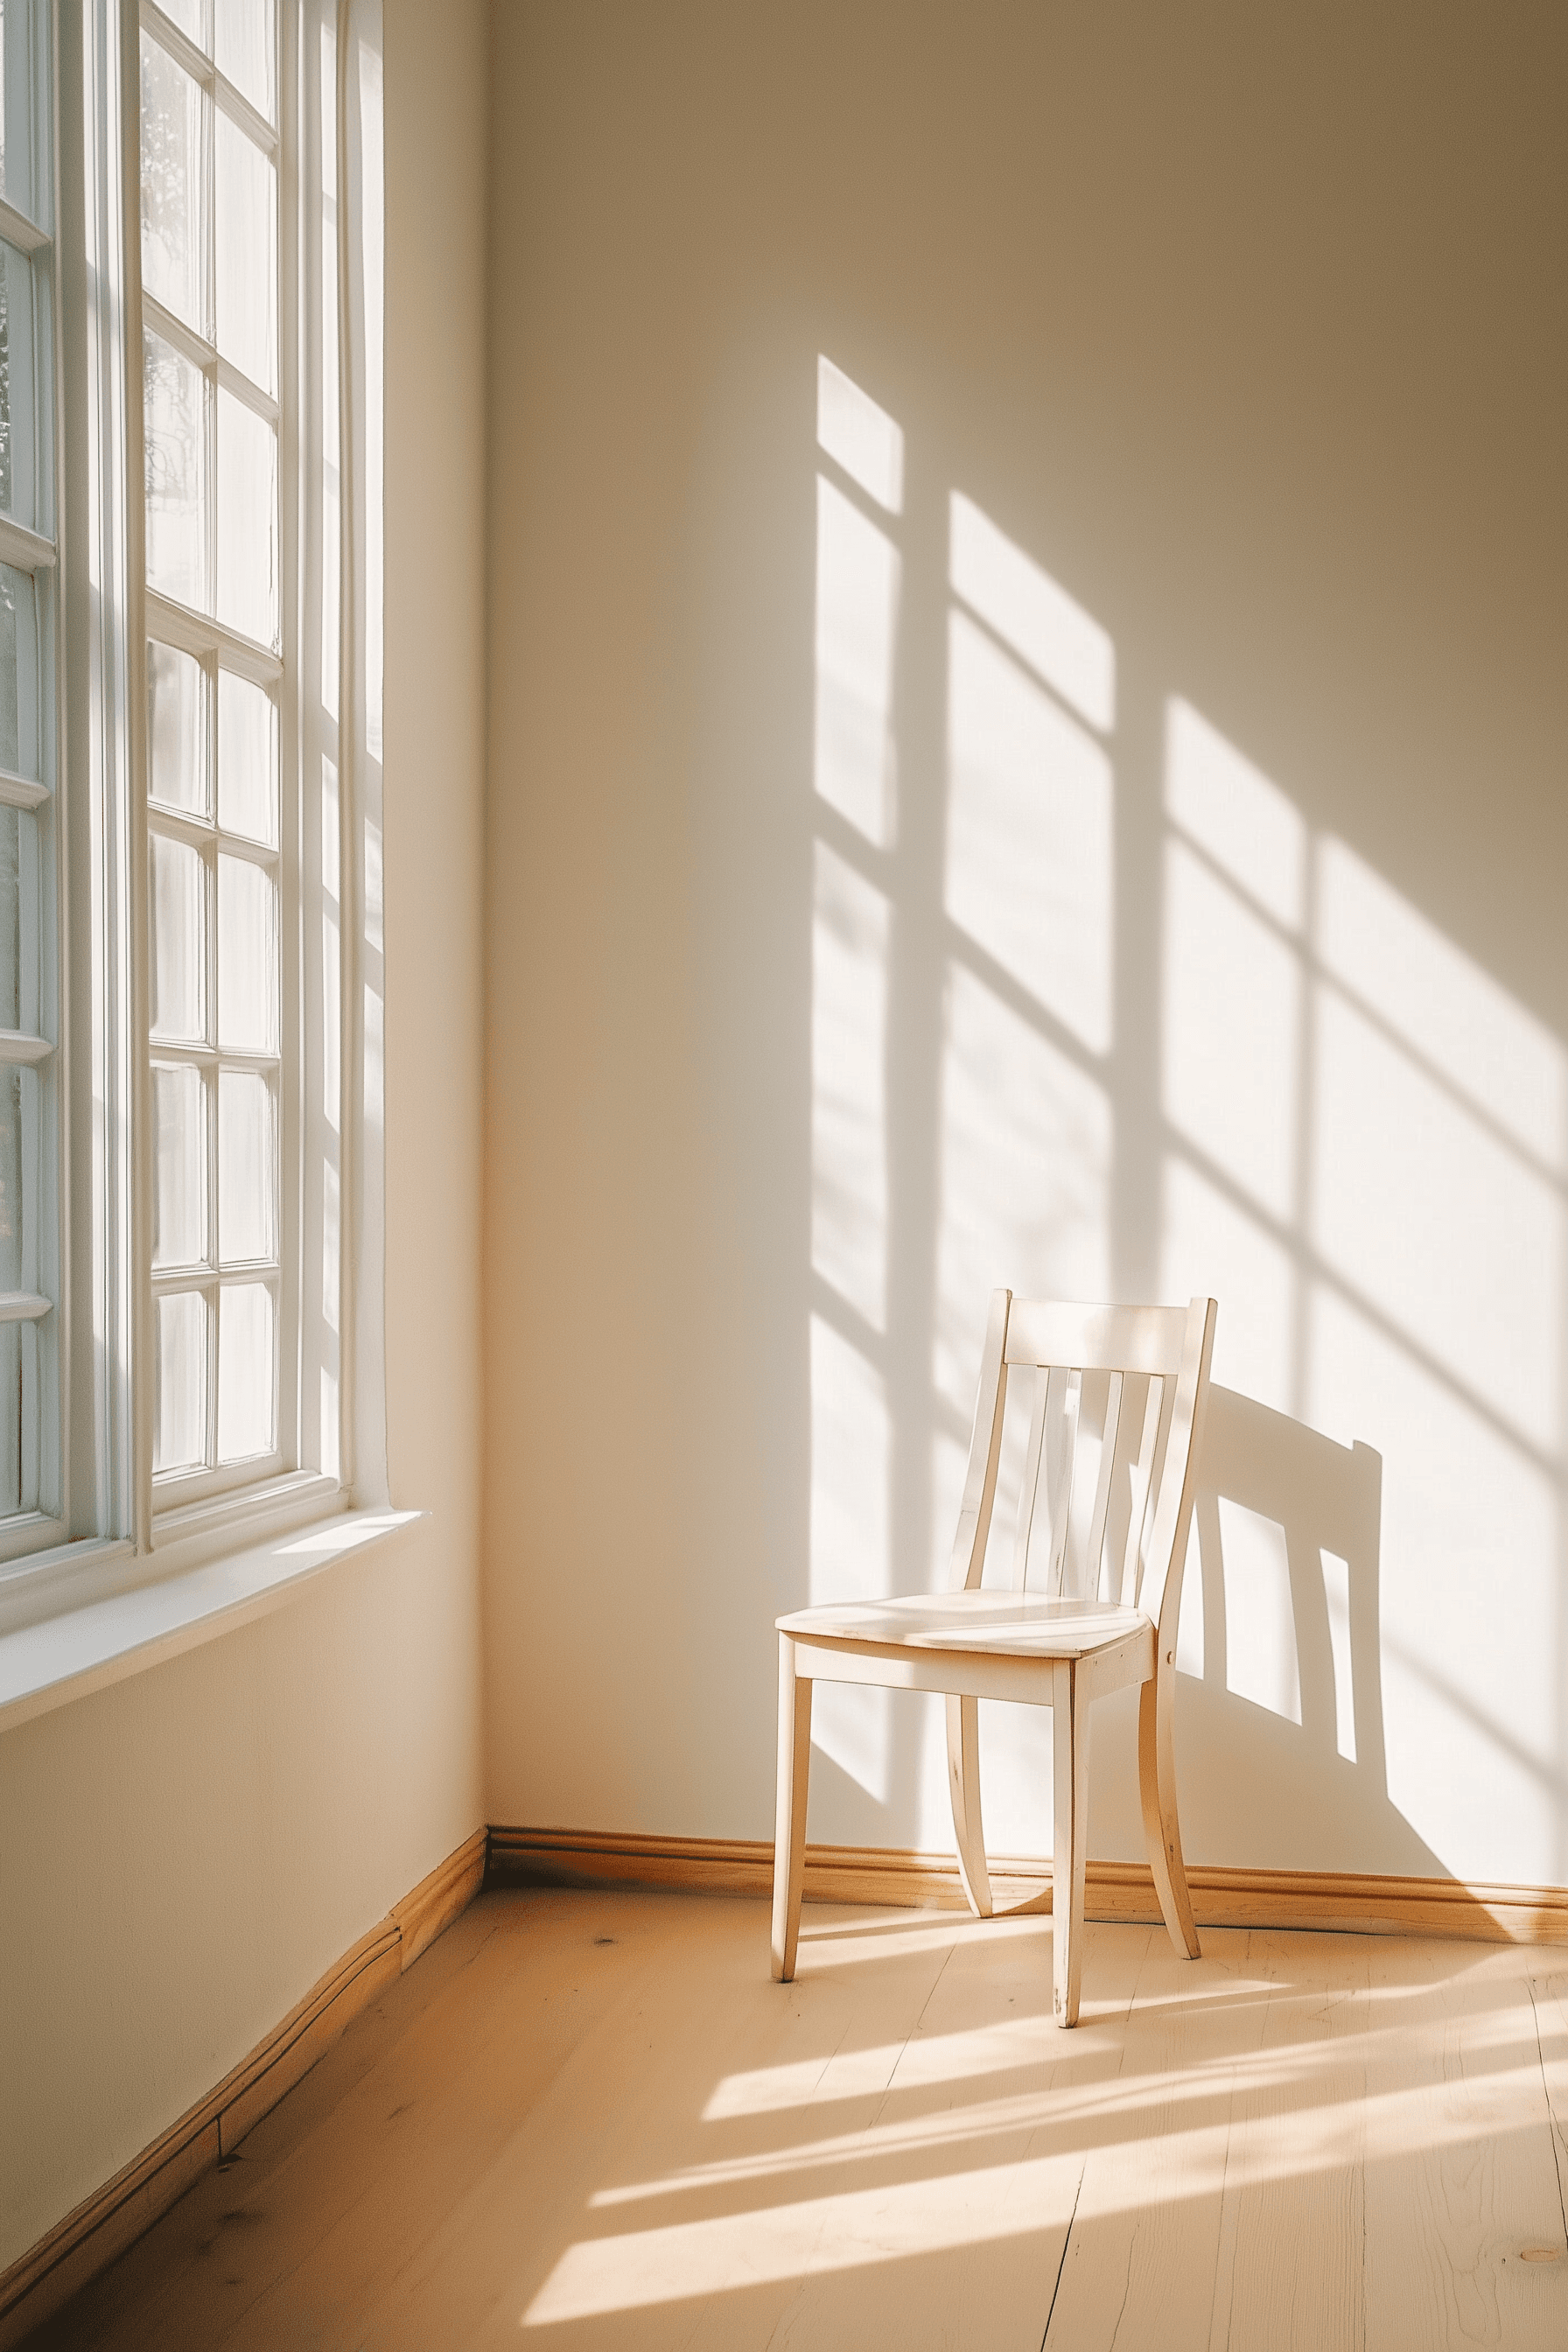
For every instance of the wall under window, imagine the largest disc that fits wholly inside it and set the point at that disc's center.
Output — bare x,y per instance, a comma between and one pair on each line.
182,1856
1028,738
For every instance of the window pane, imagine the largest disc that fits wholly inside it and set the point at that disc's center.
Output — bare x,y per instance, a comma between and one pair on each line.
246,1167
177,889
176,431
244,1381
176,709
191,16
6,256
180,1381
11,1339
19,673
247,520
245,47
10,681
174,208
246,759
246,958
12,1200
16,457
246,255
10,918
15,114
179,1196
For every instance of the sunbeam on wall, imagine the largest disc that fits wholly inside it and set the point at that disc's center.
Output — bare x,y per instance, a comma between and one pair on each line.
1366,1165
1362,1146
856,776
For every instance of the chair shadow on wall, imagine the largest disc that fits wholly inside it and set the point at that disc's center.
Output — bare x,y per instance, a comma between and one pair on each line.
1260,1787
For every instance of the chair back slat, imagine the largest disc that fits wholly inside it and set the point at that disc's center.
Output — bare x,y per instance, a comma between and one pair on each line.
1039,1546
1075,1568
984,1451
1140,1487
1120,1501
1030,1495
1061,1455
1156,1486
1104,1485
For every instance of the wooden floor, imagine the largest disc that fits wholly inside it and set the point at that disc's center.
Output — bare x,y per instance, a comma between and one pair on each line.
589,2119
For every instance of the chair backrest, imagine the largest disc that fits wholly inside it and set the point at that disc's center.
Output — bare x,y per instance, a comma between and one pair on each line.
1110,1470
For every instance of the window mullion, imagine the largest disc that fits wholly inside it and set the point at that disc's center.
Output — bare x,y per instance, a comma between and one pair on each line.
238,107
18,229
186,54
199,633
176,330
25,550
22,791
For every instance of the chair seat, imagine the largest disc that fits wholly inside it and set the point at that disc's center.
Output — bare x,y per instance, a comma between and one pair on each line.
1016,1625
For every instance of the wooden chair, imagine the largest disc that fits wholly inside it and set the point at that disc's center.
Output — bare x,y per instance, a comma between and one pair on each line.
1104,1508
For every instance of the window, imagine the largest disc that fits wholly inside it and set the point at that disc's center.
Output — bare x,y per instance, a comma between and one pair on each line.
190,989
221,849
30,1490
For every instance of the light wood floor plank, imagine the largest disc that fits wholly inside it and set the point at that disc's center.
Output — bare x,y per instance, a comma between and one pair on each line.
1142,2256
1549,1999
1461,2174
1290,2273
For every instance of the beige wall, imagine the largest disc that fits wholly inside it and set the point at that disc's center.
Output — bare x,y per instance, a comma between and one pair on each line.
184,1855
1248,332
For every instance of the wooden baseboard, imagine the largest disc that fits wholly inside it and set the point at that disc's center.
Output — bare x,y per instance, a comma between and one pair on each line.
105,2223
1352,1904
438,1900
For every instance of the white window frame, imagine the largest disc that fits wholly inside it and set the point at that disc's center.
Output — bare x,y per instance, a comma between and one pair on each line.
114,1530
37,1045
175,1495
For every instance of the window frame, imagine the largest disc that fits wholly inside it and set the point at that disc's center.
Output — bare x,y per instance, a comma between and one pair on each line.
175,1493
114,1529
40,1049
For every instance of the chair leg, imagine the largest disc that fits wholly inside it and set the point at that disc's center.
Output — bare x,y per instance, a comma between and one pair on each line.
789,1826
1161,1830
964,1788
1069,1735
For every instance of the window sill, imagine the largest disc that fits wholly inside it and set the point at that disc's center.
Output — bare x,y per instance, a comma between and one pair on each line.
105,1641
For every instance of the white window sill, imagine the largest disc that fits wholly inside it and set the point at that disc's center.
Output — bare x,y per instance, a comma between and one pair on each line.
86,1648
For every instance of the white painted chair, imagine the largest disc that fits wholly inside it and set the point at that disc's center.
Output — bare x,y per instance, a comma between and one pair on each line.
1104,1508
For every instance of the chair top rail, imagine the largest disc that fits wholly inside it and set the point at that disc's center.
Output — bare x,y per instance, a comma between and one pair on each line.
1097,1338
